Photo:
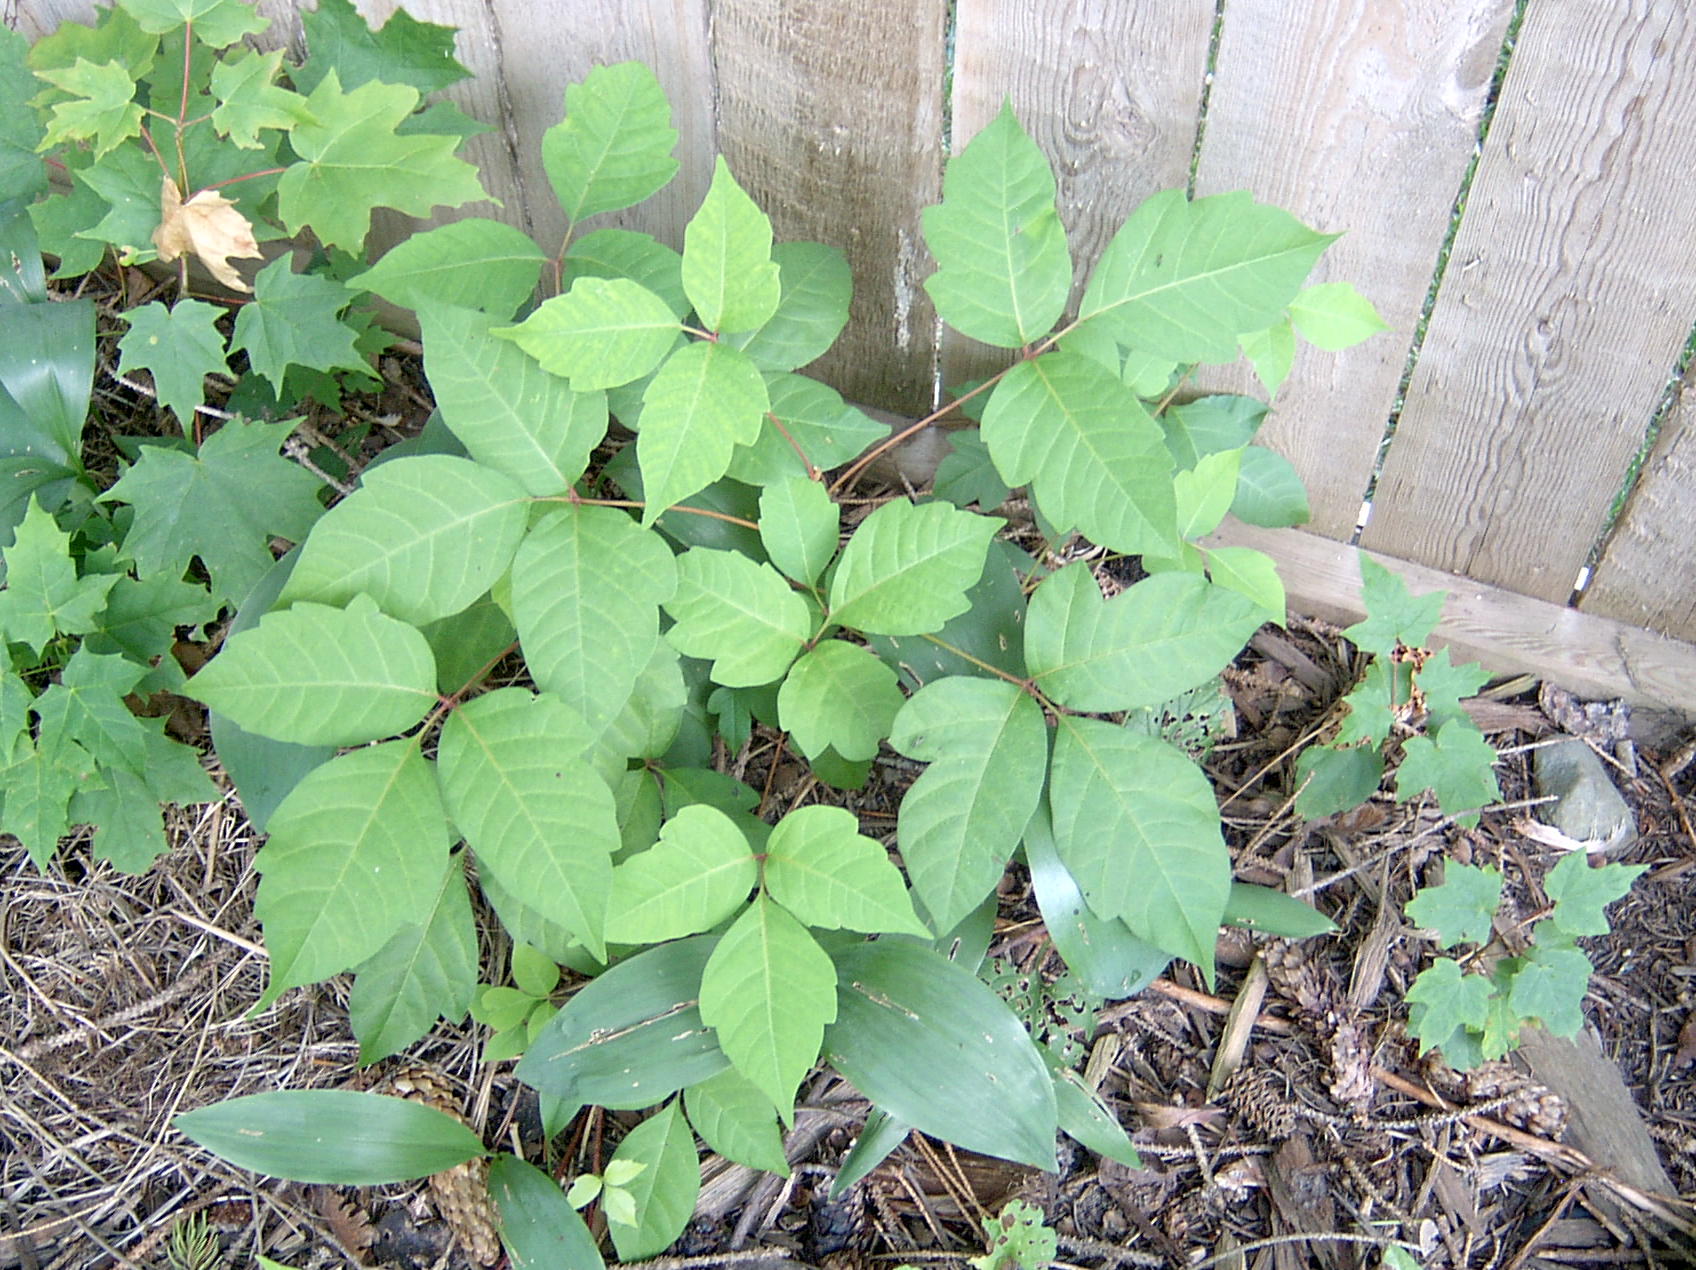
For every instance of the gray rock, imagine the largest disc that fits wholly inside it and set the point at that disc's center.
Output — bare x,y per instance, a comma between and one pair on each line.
1587,807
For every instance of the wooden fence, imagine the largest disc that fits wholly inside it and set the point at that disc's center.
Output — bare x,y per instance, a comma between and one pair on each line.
1569,291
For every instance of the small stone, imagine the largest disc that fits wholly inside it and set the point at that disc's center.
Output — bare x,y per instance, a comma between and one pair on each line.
1587,807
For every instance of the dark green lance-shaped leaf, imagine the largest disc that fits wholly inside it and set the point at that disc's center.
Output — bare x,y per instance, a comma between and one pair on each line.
799,527
587,586
22,272
219,23
602,333
516,778
1184,279
1102,952
294,319
1334,780
824,871
1393,615
331,1136
811,310
1137,825
813,415
706,400
740,615
664,1190
511,414
403,51
879,1137
180,346
1269,491
354,158
840,697
423,537
317,675
1581,894
1067,427
624,253
1445,1001
735,1119
728,273
697,874
987,747
47,369
1160,637
924,1039
249,98
356,853
632,1037
87,706
908,567
1084,1118
613,149
473,263
1209,425
540,1229
1456,764
425,972
768,991
1003,271
222,504
43,595
1463,908
1260,908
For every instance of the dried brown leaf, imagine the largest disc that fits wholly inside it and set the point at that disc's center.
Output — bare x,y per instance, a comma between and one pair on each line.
210,227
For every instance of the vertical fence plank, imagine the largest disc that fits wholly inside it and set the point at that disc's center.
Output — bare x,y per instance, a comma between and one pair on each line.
1356,116
1109,89
1570,290
831,117
1647,573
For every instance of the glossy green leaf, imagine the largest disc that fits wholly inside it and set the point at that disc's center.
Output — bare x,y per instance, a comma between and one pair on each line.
735,1119
879,1137
728,272
425,972
697,874
47,369
294,319
1091,454
1084,1118
1334,780
540,1229
1334,316
474,263
1158,638
924,1039
907,568
1269,491
43,595
335,1137
468,643
613,148
516,779
1003,270
1581,893
22,173
602,333
1260,908
180,346
823,870
740,615
990,630
987,747
812,308
706,400
839,696
1137,825
813,415
664,1190
317,675
799,526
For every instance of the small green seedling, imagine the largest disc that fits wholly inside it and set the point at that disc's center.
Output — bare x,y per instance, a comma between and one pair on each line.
611,1188
1018,1239
518,1014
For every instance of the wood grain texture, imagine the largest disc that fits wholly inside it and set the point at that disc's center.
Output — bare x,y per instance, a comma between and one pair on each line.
1355,116
831,117
1509,633
1110,90
1571,287
1647,572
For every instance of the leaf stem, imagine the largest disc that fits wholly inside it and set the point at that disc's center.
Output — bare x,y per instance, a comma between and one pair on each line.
912,430
676,507
813,473
251,176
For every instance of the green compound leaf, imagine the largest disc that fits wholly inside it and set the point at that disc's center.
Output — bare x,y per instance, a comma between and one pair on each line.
1462,909
839,696
1550,984
423,537
812,308
510,414
404,51
1090,452
613,148
728,273
827,431
473,263
294,320
602,333
1158,638
1581,894
735,1119
516,779
924,1039
665,1189
768,991
799,526
1445,1001
87,706
820,868
1457,764
740,615
706,400
908,567
249,98
1334,316
587,586
219,23
354,159
222,504
539,1227
1184,279
180,346
317,675
1136,822
356,854
101,106
624,253
425,972
331,1136
987,747
1270,493
43,595
1393,615
1330,780
697,874
1003,271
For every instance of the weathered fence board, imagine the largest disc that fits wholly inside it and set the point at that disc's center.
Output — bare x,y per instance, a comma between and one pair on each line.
1356,116
1566,300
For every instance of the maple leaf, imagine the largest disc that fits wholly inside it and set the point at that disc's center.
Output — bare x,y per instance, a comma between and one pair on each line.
43,594
354,159
1444,1002
102,107
209,226
294,320
403,51
1455,763
180,346
1463,908
249,99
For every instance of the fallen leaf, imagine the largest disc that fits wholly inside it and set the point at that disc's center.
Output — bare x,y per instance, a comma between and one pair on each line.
1686,1052
209,226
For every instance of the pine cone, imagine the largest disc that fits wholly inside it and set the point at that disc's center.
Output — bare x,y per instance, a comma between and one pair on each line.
1535,1108
1257,1096
461,1193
